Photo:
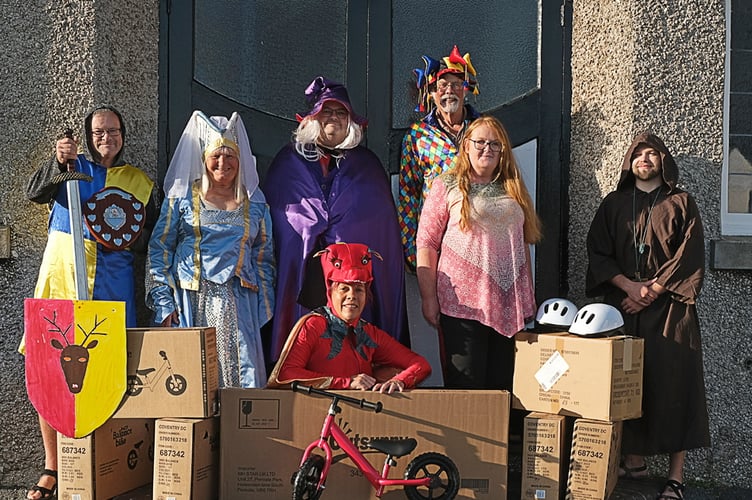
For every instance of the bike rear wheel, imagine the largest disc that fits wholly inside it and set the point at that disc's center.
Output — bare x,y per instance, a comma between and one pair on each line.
445,478
135,385
305,482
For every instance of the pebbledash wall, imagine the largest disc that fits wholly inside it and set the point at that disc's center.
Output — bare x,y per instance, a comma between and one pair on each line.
660,65
58,60
655,64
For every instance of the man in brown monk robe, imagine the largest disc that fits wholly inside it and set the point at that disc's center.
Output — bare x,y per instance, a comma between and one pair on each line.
646,257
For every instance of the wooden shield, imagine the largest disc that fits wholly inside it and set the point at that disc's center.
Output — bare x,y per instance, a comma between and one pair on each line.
114,217
76,361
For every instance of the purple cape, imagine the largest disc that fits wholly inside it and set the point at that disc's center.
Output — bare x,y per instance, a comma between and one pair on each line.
359,209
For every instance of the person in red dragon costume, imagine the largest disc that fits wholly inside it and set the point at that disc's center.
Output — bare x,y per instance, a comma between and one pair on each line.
332,347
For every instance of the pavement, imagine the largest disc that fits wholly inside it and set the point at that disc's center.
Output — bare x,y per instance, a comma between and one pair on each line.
647,489
633,489
644,489
626,489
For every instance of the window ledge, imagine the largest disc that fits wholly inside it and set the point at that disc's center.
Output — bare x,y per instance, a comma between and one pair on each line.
731,253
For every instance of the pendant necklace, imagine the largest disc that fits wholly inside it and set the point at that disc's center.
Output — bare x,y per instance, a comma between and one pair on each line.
639,245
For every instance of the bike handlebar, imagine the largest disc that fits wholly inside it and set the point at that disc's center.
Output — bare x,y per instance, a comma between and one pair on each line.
361,403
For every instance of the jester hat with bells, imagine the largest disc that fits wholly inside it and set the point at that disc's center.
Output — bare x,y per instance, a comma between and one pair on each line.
432,70
202,136
346,263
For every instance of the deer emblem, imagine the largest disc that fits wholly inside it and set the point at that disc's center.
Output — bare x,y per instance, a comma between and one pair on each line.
74,358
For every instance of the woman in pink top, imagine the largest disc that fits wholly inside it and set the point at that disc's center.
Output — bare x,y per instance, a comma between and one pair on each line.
473,260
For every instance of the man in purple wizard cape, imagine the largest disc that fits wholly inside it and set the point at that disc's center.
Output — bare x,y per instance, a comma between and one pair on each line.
324,188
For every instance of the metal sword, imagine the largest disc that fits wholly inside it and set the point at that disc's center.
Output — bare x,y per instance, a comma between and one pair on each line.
71,178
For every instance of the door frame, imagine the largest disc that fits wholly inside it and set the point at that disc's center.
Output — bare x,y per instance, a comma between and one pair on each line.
550,104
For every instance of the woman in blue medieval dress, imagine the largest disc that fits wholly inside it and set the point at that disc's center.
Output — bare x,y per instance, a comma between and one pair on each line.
211,259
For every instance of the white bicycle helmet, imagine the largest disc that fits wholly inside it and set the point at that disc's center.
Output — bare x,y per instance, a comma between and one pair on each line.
596,319
556,312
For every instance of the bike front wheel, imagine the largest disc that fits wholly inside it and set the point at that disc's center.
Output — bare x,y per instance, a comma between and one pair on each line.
176,384
305,482
445,477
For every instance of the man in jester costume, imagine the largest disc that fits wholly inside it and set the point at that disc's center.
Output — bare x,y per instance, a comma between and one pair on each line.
429,149
430,145
119,209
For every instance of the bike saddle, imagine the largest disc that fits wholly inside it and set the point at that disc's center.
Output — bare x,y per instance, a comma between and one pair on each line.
145,371
394,447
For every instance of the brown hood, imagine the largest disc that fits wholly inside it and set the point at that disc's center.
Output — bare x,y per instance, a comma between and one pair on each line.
670,170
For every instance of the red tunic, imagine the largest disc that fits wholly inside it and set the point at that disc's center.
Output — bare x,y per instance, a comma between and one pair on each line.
316,353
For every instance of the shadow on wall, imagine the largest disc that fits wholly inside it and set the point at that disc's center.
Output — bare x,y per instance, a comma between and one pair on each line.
702,178
589,144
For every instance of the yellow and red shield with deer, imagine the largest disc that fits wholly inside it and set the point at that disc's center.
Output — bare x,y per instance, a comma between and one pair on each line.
76,361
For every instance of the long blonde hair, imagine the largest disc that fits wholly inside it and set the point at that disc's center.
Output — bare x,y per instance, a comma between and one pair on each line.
507,175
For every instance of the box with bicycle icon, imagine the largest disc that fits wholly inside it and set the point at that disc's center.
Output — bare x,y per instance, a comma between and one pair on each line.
115,458
266,432
172,372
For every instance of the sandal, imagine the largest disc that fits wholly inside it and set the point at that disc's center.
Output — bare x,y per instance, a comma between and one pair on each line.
47,493
639,472
676,488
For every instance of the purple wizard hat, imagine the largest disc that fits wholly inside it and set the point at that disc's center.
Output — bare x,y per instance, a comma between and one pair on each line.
320,90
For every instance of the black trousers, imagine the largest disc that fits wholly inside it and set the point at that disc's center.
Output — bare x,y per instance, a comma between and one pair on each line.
475,355
478,357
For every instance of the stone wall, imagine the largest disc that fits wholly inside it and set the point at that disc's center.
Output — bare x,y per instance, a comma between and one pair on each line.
659,65
58,60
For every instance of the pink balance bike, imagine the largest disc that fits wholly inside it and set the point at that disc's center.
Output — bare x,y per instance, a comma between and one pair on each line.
429,476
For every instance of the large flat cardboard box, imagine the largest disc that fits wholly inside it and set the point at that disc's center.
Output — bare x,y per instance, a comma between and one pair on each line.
597,378
594,459
186,459
172,372
141,493
114,459
545,456
264,433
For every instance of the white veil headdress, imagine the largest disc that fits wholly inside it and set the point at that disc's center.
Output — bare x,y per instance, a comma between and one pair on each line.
202,132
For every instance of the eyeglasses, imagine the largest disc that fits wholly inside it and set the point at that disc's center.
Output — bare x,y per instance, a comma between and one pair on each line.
340,113
495,146
442,85
112,132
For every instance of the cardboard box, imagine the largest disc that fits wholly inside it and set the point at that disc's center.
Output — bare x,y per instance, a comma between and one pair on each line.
115,458
559,373
186,459
264,433
172,372
142,493
594,460
545,456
